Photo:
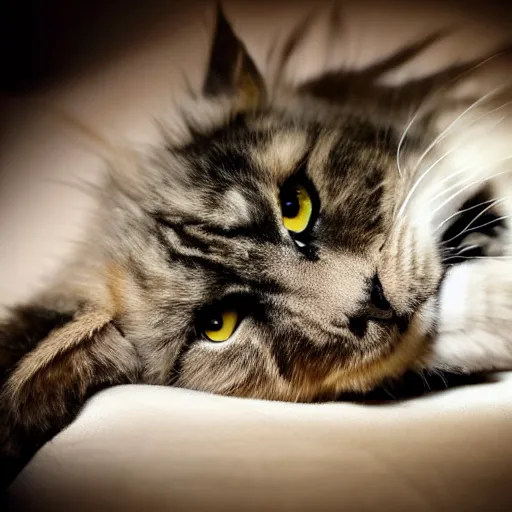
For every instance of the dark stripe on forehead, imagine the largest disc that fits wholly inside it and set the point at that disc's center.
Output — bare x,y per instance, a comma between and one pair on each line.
222,155
262,228
224,164
178,227
352,193
224,273
174,256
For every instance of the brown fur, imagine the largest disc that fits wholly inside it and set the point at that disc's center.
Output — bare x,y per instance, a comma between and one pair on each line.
198,221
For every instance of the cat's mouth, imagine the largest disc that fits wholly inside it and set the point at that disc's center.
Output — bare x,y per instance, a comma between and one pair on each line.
475,231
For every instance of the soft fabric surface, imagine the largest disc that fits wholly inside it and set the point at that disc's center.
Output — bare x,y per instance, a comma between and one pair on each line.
152,448
141,448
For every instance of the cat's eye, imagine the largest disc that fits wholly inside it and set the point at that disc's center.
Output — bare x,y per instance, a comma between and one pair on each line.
219,326
296,206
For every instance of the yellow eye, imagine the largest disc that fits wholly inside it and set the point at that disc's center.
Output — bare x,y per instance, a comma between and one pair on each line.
296,207
220,327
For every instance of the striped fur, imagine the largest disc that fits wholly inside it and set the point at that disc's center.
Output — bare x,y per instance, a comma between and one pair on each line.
198,220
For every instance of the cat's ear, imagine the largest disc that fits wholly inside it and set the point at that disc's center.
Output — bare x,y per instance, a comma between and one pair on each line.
51,363
231,70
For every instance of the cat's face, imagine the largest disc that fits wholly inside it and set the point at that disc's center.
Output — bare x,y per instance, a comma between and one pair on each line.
273,263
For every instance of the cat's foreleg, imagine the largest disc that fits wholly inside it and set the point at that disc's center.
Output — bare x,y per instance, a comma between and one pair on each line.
50,363
475,318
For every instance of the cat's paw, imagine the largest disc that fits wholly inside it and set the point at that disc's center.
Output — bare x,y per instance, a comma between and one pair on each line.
475,318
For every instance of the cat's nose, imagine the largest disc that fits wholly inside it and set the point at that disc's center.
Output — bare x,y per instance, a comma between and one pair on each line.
377,307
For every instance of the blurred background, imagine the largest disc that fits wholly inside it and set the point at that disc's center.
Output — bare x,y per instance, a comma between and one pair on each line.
115,66
48,41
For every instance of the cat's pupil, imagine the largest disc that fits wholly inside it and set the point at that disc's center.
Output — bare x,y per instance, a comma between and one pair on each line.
214,323
290,205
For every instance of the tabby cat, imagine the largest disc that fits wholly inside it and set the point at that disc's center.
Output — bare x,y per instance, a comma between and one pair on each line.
287,243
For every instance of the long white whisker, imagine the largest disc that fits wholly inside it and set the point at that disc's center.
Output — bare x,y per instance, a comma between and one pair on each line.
443,133
443,379
459,212
482,63
432,166
455,173
454,195
419,180
467,228
492,221
466,249
459,254
464,169
480,258
461,182
425,380
404,135
488,113
446,86
450,188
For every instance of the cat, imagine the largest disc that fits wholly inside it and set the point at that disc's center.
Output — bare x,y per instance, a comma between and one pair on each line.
286,243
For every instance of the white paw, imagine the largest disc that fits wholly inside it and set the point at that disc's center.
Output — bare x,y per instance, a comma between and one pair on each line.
475,318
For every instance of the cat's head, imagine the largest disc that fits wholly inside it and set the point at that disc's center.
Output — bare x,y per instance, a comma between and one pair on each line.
264,256
288,244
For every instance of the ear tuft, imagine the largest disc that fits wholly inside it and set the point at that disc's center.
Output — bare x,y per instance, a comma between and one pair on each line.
231,70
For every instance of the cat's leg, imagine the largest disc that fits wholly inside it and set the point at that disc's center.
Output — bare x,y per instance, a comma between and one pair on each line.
50,363
475,318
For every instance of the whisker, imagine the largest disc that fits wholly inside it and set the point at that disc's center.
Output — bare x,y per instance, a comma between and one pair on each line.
467,228
432,166
497,219
432,372
388,392
459,212
466,249
450,188
479,258
441,375
424,378
447,252
403,136
419,180
444,132
427,383
487,113
482,180
464,169
461,182
484,61
438,91
455,173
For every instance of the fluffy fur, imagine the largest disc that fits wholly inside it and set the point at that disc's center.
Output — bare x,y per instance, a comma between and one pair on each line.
367,294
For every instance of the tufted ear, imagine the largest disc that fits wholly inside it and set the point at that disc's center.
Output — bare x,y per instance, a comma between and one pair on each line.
50,363
231,70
